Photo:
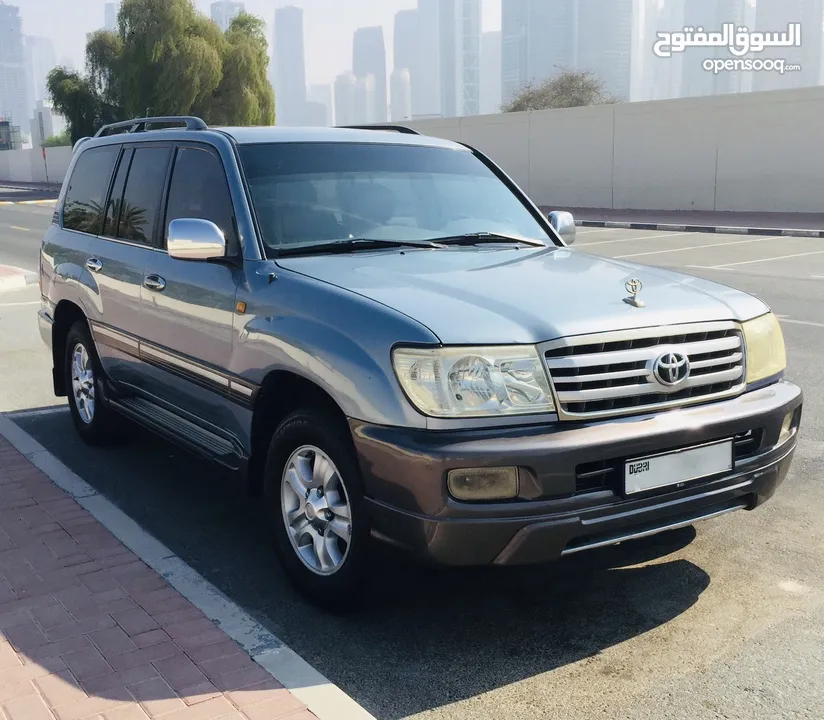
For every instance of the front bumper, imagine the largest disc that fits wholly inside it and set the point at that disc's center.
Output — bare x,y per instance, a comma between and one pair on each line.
556,513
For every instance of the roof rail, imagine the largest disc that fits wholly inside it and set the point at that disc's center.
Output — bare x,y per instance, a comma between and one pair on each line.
144,124
390,128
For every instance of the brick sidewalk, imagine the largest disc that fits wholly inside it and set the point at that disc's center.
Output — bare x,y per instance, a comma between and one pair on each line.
87,630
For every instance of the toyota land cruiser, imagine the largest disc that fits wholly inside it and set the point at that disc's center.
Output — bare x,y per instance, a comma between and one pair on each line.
390,340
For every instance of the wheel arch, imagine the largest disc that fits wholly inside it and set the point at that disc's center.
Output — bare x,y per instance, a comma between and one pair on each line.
281,393
66,314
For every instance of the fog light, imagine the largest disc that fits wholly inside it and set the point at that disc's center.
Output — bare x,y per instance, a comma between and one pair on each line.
786,427
473,484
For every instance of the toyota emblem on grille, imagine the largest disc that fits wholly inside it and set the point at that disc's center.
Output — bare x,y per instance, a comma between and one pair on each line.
671,368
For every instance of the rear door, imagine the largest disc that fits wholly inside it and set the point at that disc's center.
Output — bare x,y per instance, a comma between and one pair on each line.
189,305
126,242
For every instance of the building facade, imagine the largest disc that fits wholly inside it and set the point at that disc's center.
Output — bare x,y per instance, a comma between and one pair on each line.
345,99
460,46
400,95
426,95
604,43
15,103
40,60
491,72
224,11
369,58
289,66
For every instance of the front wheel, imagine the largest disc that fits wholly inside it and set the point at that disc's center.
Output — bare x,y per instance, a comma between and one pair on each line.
315,501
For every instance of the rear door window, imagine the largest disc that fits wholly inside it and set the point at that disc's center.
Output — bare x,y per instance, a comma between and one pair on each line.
83,209
142,197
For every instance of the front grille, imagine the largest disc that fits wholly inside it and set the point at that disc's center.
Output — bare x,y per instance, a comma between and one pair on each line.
613,373
608,474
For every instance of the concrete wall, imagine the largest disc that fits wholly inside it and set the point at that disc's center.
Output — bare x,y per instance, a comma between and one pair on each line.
758,152
27,165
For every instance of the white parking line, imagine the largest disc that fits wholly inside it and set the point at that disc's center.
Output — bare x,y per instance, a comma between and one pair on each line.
785,319
22,414
696,247
642,237
750,262
19,304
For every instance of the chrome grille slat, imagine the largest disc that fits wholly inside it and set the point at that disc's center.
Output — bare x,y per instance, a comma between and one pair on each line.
608,374
626,356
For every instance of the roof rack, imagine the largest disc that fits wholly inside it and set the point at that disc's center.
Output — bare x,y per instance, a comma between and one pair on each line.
144,124
390,128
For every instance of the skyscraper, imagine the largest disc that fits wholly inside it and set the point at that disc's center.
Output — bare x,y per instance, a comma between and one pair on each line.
661,78
605,43
14,95
774,16
491,73
40,60
345,99
369,58
110,16
538,40
406,52
426,95
365,101
322,95
289,66
710,15
401,95
460,43
224,11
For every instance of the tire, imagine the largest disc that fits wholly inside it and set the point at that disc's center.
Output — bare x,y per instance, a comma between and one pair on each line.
304,438
94,421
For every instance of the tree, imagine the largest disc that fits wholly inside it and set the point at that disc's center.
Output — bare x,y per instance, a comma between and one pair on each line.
168,59
569,88
58,140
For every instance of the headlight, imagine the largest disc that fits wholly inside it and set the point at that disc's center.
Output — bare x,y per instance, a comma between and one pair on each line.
766,354
474,381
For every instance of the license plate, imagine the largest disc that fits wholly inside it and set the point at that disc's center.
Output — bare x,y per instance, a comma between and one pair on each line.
675,468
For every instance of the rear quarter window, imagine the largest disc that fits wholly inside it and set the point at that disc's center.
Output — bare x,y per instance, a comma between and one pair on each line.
83,209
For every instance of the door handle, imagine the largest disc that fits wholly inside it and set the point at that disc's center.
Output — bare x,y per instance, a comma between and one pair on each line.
154,282
94,264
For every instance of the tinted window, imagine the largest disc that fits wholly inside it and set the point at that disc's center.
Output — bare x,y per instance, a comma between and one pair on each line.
305,193
144,189
83,209
199,190
116,198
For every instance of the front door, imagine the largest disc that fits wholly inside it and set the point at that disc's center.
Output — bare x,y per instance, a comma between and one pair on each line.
189,305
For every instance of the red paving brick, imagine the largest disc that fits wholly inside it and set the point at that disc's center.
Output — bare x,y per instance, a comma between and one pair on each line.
87,630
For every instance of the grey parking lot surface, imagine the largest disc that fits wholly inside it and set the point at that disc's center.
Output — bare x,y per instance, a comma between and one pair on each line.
724,621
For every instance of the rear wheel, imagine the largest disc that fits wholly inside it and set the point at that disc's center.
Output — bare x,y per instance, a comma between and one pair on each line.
95,422
315,500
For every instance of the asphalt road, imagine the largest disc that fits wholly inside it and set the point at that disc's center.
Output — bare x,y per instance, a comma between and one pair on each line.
725,621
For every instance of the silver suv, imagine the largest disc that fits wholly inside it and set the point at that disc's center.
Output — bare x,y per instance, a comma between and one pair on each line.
389,340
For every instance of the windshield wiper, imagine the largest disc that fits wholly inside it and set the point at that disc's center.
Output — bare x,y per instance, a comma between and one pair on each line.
487,237
352,244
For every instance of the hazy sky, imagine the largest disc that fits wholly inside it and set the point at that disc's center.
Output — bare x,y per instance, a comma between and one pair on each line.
329,25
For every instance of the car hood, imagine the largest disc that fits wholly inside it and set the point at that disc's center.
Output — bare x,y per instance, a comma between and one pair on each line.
492,296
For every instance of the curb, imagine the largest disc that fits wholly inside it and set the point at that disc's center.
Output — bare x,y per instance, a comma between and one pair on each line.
731,230
20,280
326,700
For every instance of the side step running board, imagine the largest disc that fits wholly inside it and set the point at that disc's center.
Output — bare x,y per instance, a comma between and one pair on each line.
194,437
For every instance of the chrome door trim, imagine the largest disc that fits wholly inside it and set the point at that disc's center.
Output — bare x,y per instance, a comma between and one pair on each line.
238,390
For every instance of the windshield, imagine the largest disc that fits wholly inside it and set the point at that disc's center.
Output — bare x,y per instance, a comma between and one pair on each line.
310,193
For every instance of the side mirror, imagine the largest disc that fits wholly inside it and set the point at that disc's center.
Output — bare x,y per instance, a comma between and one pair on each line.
193,239
564,224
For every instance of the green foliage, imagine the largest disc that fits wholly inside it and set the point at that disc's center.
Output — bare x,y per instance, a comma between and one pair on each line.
168,59
569,88
58,140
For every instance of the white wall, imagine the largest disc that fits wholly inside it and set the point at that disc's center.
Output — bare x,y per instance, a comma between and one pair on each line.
27,165
759,152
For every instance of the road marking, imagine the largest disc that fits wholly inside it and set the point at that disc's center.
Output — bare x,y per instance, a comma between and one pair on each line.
23,229
19,304
22,414
642,237
326,700
801,322
591,230
695,247
780,257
